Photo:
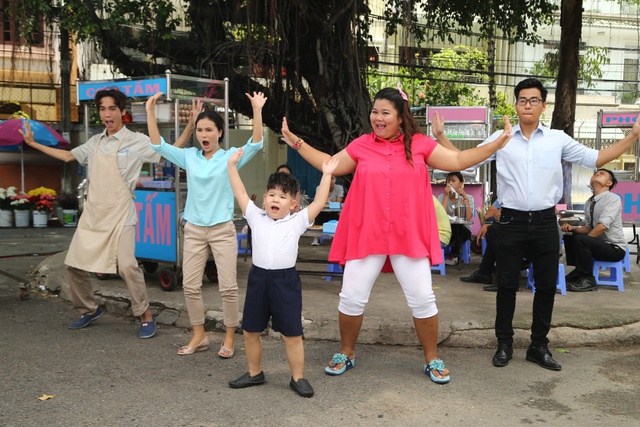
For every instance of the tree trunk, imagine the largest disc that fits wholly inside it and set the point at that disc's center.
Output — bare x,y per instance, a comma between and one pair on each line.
564,113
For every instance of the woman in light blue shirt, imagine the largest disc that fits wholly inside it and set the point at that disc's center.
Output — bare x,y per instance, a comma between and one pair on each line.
209,217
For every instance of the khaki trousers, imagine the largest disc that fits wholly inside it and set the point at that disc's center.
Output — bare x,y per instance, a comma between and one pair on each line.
82,292
221,238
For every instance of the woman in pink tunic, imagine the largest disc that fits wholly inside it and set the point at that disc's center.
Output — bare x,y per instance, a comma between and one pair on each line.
388,221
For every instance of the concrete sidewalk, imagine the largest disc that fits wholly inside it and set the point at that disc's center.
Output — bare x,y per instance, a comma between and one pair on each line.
466,312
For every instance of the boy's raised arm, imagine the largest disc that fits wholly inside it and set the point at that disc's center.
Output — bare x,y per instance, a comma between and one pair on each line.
323,189
236,182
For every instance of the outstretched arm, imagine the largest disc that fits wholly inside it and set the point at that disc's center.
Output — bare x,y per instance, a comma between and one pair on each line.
152,123
316,158
616,150
437,128
239,191
450,160
56,153
196,108
315,207
257,102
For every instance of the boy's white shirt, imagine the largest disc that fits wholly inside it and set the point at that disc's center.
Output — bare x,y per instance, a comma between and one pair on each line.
274,244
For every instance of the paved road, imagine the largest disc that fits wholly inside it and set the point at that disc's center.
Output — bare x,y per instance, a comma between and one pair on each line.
105,376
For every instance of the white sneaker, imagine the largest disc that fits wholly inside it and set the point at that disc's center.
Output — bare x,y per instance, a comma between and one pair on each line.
315,242
452,261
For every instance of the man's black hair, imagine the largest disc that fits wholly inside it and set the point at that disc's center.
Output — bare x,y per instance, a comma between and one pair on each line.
531,84
614,181
285,182
119,98
456,174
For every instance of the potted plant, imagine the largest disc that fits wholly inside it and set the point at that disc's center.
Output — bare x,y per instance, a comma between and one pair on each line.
6,212
68,204
21,205
42,199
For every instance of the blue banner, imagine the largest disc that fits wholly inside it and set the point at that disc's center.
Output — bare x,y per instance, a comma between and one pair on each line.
156,236
131,88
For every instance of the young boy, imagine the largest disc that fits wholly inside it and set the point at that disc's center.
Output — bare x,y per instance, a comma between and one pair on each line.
274,289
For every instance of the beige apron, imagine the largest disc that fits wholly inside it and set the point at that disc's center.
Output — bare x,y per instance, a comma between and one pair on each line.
94,246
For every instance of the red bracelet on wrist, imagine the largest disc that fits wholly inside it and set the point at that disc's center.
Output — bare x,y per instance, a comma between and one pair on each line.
296,145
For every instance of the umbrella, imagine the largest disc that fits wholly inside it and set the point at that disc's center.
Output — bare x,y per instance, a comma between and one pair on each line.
11,140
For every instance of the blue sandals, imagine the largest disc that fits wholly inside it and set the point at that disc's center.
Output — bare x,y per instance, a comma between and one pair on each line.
436,365
337,359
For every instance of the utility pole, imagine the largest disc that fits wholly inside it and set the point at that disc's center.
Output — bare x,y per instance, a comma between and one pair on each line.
65,83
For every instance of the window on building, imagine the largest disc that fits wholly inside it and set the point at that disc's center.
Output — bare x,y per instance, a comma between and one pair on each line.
630,75
10,29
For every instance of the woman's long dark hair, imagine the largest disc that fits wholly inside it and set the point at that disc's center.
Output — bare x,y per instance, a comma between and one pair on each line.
403,108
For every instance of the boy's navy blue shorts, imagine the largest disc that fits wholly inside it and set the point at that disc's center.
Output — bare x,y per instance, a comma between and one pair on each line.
275,294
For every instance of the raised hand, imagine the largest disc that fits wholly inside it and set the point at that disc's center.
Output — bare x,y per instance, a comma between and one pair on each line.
235,157
257,100
28,135
196,108
289,137
150,105
437,125
635,130
330,166
505,136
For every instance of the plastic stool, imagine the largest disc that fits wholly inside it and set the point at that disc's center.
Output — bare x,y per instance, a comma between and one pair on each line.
484,246
332,268
241,250
465,256
626,261
440,267
560,283
615,273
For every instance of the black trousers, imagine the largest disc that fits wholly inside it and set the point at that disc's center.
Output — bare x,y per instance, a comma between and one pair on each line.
529,235
489,258
459,235
582,249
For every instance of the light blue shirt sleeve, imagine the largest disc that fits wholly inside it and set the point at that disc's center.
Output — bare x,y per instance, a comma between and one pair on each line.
173,154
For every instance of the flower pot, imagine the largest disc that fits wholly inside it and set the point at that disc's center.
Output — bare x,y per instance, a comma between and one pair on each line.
22,218
6,218
69,217
40,219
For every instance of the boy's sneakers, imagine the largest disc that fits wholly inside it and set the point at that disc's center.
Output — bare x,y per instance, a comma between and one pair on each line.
147,329
315,242
451,261
84,321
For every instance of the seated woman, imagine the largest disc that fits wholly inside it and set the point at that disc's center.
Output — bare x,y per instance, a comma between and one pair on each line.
453,198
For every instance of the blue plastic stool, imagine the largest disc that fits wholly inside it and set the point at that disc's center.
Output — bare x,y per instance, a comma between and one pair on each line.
242,250
615,272
626,263
440,267
465,256
484,245
332,268
560,283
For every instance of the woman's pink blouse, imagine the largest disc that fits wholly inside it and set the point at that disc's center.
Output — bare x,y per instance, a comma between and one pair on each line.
389,208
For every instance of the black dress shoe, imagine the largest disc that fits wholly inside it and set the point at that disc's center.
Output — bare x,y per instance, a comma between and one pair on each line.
503,355
302,387
491,288
586,284
542,356
574,276
247,380
477,277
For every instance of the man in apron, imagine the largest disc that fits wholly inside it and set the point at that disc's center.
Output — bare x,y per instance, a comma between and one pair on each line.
104,241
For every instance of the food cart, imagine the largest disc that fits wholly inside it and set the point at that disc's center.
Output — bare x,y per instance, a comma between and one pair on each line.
628,187
161,190
466,127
